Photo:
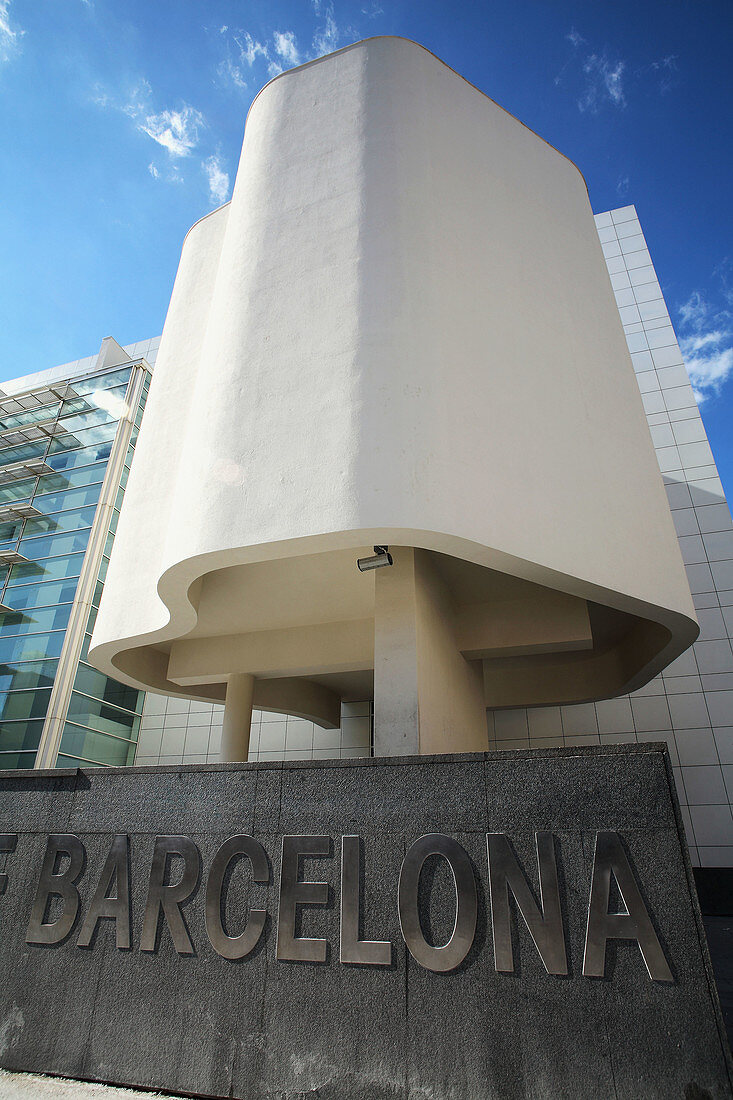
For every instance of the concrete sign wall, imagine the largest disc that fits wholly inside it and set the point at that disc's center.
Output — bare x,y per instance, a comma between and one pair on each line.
490,925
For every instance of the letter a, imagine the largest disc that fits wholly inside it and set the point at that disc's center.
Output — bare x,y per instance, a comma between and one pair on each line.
634,924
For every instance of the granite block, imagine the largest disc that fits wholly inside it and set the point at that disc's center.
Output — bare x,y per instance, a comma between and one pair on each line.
259,1027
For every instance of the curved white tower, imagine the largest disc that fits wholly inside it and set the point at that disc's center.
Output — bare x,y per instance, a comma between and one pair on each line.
399,332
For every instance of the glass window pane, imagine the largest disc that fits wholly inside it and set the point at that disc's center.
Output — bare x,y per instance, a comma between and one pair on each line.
111,399
77,497
36,674
17,736
31,647
101,716
75,519
17,490
42,595
103,381
64,761
10,532
52,569
89,745
22,452
73,478
24,704
46,546
76,422
85,456
48,618
30,416
95,683
17,760
101,434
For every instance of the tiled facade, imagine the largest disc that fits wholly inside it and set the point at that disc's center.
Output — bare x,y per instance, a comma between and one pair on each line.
176,731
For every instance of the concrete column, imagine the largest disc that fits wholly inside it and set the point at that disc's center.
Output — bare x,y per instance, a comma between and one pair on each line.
396,717
427,697
237,718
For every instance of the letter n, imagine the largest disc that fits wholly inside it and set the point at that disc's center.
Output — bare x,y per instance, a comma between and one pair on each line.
545,924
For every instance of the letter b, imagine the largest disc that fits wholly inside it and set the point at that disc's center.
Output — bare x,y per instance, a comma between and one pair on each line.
55,883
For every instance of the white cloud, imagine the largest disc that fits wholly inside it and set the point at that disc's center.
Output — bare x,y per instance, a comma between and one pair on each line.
708,371
176,131
217,178
622,186
286,47
601,80
665,69
706,344
695,311
604,83
241,57
250,49
233,72
9,35
138,100
283,50
326,38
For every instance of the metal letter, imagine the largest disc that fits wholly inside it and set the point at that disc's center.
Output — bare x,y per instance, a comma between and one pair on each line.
169,898
113,906
8,842
545,924
354,950
634,924
450,954
235,947
294,893
61,884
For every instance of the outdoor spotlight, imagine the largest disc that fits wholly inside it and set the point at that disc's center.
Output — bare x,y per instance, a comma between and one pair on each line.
380,557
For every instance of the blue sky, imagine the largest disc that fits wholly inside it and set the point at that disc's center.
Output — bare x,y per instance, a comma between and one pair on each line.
121,124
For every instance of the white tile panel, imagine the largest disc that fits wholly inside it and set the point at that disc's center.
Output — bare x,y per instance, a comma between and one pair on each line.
632,243
712,825
580,719
624,214
714,517
651,310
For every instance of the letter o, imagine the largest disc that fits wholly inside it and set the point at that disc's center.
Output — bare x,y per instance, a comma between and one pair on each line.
451,954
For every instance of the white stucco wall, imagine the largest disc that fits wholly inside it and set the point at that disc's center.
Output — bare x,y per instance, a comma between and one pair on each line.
401,330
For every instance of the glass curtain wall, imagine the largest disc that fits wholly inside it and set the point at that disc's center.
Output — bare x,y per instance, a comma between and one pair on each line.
49,490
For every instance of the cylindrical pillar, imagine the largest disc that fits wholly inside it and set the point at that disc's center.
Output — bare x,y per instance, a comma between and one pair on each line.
237,718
